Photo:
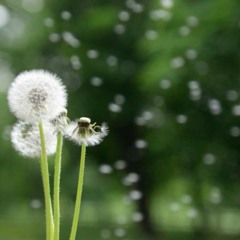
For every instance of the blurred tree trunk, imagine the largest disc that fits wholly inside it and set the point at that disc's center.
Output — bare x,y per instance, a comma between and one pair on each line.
136,162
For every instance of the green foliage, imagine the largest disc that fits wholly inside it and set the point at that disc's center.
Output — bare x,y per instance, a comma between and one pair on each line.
179,80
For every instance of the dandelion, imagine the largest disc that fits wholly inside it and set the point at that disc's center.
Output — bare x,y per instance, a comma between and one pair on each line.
37,95
26,139
61,121
83,132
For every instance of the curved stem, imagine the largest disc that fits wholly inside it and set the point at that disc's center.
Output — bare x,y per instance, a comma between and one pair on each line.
46,186
79,194
56,194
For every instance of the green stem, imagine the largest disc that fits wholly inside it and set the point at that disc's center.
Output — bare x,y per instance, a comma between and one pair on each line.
46,186
56,201
79,194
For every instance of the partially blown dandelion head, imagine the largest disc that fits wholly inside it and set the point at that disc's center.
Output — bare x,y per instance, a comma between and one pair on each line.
37,95
83,132
61,121
26,139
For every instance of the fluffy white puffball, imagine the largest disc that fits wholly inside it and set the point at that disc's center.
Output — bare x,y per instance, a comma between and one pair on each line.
25,138
37,95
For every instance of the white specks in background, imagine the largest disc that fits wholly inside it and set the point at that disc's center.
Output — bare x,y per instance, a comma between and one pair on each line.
195,91
116,105
191,54
75,62
135,195
112,61
134,6
120,164
96,81
49,22
140,143
174,206
119,99
119,232
192,213
4,16
232,95
214,106
192,21
209,159
160,14
113,107
167,3
184,31
36,203
144,118
215,195
165,84
92,54
70,39
105,169
177,62
137,217
119,29
236,110
234,131
65,15
33,6
105,233
54,37
181,119
186,199
124,16
151,34
130,179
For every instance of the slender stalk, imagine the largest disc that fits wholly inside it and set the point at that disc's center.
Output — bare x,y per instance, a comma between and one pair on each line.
56,201
79,194
46,186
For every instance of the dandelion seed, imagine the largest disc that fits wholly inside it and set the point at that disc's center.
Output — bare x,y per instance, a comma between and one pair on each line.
96,81
65,15
120,164
26,140
120,232
192,213
105,169
70,39
92,54
235,131
49,22
119,29
135,195
36,95
191,54
137,217
209,159
184,31
83,132
54,37
124,16
5,16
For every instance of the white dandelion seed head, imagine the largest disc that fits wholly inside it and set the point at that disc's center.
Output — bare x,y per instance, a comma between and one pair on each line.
90,135
26,139
61,121
37,95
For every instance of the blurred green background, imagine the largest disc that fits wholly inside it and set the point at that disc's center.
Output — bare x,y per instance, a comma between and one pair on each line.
164,75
